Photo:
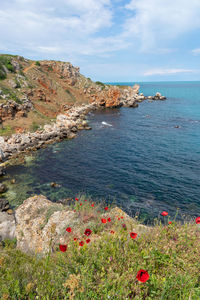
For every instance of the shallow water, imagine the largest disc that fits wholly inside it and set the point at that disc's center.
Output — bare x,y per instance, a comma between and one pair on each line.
135,157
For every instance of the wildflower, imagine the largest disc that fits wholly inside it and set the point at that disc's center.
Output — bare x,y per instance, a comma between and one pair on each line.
75,239
170,222
118,219
109,219
85,200
87,241
106,208
133,235
76,199
104,221
68,229
74,210
198,220
88,232
164,213
142,275
81,243
63,248
112,231
124,225
92,204
122,217
81,204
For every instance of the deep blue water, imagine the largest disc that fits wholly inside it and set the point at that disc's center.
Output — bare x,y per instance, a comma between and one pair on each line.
142,161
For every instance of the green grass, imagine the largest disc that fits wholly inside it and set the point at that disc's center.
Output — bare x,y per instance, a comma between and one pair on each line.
11,95
6,130
106,268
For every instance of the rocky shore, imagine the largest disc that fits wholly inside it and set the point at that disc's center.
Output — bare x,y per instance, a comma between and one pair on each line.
66,125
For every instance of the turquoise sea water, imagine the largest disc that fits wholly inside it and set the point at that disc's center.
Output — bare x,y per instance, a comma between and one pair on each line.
142,161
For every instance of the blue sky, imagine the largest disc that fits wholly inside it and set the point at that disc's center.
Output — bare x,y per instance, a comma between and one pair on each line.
110,40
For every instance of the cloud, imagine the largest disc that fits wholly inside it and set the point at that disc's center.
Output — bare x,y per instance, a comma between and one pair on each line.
167,71
196,51
155,22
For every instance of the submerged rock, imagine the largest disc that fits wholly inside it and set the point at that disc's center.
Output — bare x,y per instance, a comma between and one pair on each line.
3,188
4,204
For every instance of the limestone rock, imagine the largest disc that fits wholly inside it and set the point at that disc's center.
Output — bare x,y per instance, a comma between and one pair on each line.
41,224
3,188
7,226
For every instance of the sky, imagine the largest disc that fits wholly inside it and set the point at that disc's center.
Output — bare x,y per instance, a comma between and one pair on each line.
110,40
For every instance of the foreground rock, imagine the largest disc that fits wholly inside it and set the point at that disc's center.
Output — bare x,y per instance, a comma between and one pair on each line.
4,205
7,226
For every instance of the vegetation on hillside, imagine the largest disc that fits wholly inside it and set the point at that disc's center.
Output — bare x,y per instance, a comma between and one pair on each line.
108,261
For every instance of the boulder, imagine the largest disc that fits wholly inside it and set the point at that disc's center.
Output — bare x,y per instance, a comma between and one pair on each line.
7,226
4,204
41,224
3,188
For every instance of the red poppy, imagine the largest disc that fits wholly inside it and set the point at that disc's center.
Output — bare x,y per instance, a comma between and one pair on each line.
197,220
87,241
81,243
164,213
81,204
142,275
85,200
124,225
92,204
76,199
122,217
109,219
106,208
88,232
74,210
63,248
112,231
68,229
103,220
170,222
75,239
118,219
133,235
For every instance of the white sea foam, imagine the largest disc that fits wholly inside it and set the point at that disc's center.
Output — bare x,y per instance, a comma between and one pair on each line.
106,124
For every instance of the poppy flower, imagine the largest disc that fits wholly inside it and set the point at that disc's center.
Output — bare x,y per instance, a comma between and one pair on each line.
63,248
68,229
142,275
92,204
109,219
81,204
85,200
81,243
133,235
118,219
88,232
164,213
75,239
76,199
122,217
87,241
104,221
106,208
112,231
170,222
124,225
197,220
74,210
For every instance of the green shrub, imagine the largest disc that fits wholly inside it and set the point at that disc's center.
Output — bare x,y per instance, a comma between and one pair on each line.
37,63
6,61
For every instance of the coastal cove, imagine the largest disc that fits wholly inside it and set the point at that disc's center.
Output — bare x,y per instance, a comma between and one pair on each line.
142,161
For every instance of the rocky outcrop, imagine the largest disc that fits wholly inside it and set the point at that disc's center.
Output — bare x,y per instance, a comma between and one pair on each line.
41,224
11,110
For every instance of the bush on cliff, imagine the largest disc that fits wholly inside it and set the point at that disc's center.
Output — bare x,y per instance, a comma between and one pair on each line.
107,261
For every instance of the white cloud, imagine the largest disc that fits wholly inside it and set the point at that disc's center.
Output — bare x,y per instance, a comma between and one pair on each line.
196,51
154,22
167,71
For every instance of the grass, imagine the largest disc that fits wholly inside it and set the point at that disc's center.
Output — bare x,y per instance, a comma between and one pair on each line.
6,130
106,268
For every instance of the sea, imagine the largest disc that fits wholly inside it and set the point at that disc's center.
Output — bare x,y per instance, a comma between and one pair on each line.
144,160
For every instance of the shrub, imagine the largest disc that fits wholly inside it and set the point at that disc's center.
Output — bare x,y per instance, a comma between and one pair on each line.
37,63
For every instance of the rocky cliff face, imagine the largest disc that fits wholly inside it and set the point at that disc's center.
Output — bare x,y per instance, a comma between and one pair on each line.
28,86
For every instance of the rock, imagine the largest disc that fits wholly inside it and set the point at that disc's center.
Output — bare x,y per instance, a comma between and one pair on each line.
2,171
3,188
54,184
7,226
41,224
13,181
4,204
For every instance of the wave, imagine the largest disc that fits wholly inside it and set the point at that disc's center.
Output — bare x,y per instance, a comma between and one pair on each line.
106,124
